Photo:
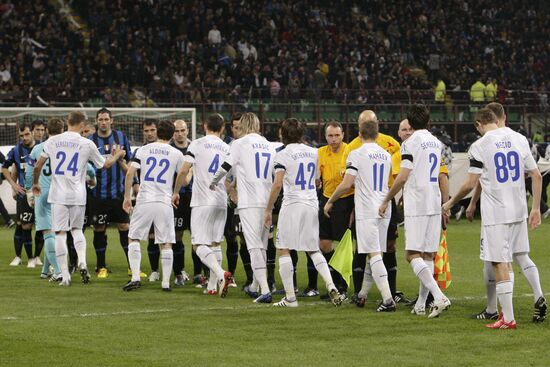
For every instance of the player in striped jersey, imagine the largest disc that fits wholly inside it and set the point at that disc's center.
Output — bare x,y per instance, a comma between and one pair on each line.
107,195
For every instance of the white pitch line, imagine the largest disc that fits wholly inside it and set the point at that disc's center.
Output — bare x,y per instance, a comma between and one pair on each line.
199,309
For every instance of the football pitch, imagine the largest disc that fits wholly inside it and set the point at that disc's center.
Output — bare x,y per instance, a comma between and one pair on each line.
100,325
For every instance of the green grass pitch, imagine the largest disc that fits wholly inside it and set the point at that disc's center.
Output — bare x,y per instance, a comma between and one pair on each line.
98,324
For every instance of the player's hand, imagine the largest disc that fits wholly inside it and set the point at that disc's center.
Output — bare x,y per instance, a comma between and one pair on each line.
91,182
444,220
534,218
18,189
446,208
36,190
268,220
234,197
382,209
30,198
127,206
327,209
470,211
175,200
212,187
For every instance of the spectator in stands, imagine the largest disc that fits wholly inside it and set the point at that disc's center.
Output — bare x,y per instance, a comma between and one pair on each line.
477,92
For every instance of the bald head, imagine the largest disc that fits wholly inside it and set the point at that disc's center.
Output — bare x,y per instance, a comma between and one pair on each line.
180,132
405,130
367,115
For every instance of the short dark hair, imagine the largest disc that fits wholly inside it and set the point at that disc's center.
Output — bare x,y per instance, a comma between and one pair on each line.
149,122
292,131
236,116
37,122
215,122
418,116
55,126
165,130
333,124
24,126
103,110
486,116
368,129
76,118
497,109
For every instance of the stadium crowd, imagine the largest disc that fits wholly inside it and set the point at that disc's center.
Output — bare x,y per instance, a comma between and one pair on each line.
228,51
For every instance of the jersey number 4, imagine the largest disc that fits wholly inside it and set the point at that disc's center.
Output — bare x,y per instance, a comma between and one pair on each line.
71,167
152,163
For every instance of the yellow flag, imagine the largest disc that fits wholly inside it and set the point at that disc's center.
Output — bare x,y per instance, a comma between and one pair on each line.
442,266
342,259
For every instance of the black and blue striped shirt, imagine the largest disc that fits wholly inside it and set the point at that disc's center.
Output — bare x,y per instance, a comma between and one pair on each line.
18,155
110,181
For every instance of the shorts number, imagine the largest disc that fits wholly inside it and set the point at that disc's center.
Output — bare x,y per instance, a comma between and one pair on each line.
377,176
215,164
71,167
258,164
505,164
178,222
300,177
163,163
433,160
101,219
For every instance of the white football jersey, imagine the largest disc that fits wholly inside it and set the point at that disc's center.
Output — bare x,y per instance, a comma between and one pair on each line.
157,162
251,158
501,157
372,167
301,166
421,153
207,154
69,154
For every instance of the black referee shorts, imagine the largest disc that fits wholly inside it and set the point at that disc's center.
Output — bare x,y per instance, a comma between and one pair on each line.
333,228
394,221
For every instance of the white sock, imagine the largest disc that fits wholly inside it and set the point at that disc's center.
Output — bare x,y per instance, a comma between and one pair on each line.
61,254
80,247
380,275
422,271
422,290
322,267
255,286
505,291
368,281
213,279
259,268
286,270
490,287
134,258
208,258
531,272
167,260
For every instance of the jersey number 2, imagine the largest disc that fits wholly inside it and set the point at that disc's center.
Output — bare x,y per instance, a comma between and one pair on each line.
301,179
163,163
71,167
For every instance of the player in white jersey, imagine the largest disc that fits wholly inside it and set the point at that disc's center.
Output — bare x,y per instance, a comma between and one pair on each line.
208,208
158,162
419,175
296,170
369,169
69,154
520,251
251,160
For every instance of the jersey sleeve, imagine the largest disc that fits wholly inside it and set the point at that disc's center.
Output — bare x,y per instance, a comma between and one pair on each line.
407,155
46,151
529,163
279,163
233,154
476,160
136,160
31,162
351,164
179,161
90,170
9,159
190,154
95,157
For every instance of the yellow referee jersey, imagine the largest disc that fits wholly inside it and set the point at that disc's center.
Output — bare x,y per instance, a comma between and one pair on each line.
329,168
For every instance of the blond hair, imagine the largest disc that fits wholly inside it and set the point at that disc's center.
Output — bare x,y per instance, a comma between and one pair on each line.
250,123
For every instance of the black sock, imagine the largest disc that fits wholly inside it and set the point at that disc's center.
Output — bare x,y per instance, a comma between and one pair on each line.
123,236
73,257
359,261
100,246
197,263
177,265
18,240
390,262
232,253
153,251
311,274
336,277
4,212
27,241
245,258
294,257
271,255
38,243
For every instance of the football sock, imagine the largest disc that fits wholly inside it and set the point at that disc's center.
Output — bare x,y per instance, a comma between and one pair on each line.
27,242
100,246
322,267
380,276
213,279
505,291
153,251
49,252
38,243
359,261
425,274
270,262
390,262
178,250
531,272
294,257
18,240
368,281
258,262
423,292
134,258
245,258
61,254
72,252
232,253
490,287
80,247
311,274
336,277
123,237
208,258
167,259
197,263
286,270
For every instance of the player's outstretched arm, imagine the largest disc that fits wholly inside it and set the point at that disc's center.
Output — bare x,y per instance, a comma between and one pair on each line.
343,187
222,171
467,186
443,180
273,195
398,184
15,186
536,188
181,179
127,204
117,155
36,175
